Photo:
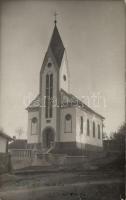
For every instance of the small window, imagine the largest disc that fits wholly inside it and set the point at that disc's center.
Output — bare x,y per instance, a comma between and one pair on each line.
99,134
34,126
68,117
88,127
64,77
68,124
81,124
93,129
34,120
49,65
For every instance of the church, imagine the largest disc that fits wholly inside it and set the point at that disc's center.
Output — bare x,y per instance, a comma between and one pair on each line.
57,120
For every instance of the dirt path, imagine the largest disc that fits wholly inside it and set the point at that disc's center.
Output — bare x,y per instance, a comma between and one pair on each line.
49,192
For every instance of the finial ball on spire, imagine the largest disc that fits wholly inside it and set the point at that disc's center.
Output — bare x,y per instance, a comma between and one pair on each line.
55,15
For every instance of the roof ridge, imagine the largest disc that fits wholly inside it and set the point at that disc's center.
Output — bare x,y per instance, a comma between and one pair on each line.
83,104
36,99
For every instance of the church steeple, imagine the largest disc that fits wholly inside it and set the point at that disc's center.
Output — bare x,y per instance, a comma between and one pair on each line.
56,45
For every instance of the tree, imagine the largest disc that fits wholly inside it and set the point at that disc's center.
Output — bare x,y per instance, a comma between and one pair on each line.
119,137
19,131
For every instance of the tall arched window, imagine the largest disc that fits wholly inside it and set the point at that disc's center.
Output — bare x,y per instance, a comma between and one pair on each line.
88,127
81,124
93,129
68,124
49,96
99,134
34,126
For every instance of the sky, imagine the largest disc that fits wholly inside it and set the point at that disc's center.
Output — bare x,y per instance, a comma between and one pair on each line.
93,33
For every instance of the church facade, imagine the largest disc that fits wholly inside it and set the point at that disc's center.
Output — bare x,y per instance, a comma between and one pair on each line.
57,120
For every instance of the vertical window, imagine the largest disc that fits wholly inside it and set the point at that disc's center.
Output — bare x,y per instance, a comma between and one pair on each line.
68,124
88,127
81,124
34,125
49,96
99,134
93,129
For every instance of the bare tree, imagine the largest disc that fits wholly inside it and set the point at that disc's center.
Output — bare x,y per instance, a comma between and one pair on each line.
19,131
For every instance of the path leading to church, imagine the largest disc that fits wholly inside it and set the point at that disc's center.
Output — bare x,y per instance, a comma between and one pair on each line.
64,186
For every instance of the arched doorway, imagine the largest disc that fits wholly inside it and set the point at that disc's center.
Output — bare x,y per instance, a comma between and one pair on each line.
48,137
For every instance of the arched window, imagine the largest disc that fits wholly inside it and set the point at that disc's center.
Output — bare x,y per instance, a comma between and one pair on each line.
68,124
88,127
34,126
93,129
99,134
81,124
49,96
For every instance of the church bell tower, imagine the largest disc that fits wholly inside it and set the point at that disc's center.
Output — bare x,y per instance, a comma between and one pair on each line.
54,76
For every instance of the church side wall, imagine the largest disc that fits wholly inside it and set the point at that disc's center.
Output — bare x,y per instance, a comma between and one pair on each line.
67,136
33,138
83,139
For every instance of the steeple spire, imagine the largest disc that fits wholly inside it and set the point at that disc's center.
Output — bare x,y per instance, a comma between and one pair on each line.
55,15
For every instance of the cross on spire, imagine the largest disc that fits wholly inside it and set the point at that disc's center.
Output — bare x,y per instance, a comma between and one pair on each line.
55,15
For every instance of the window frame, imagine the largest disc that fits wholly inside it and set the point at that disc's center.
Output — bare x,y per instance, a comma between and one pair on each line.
65,123
81,125
94,129
88,127
49,96
99,132
36,125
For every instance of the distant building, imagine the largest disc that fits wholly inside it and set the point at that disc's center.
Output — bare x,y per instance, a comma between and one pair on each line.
57,120
17,144
4,139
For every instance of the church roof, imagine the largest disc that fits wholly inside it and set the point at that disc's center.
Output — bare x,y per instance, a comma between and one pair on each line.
56,46
69,101
4,135
35,103
74,101
18,144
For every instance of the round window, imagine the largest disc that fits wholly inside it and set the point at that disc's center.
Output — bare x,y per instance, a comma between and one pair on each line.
68,117
49,64
34,120
64,77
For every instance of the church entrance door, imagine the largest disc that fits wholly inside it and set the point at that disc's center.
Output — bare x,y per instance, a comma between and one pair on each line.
48,137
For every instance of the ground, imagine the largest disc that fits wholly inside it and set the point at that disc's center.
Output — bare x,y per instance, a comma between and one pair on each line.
83,185
105,182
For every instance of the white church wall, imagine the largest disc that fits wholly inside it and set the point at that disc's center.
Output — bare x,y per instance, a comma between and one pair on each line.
51,122
83,137
64,75
33,138
67,136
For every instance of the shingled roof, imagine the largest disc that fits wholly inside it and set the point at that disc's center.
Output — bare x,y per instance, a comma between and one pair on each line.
56,46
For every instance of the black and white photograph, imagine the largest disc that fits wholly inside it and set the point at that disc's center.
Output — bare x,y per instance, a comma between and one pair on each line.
62,99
